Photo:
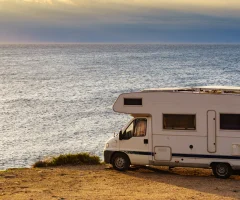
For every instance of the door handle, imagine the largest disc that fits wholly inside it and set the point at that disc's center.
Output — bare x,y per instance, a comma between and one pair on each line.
145,141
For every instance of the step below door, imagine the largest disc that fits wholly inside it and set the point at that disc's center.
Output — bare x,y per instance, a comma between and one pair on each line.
211,131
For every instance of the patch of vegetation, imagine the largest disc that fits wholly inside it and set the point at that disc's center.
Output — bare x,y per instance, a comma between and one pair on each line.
69,159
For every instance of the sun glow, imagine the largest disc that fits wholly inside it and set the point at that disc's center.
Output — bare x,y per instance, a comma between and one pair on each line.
39,1
206,7
148,3
48,2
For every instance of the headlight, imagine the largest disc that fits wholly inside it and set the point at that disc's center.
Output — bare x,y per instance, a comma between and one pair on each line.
107,145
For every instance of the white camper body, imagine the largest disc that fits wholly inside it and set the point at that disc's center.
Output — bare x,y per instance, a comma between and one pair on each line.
185,127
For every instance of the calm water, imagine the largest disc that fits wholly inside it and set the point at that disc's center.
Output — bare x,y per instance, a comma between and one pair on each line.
58,98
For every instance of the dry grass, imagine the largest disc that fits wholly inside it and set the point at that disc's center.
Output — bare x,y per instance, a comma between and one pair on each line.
98,182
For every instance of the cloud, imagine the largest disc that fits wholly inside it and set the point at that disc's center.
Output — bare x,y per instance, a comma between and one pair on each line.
118,11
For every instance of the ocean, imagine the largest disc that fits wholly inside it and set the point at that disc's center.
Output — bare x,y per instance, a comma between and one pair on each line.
57,98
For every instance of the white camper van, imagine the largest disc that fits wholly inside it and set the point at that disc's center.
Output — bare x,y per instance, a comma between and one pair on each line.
179,127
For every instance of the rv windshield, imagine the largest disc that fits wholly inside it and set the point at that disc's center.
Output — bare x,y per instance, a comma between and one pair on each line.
129,131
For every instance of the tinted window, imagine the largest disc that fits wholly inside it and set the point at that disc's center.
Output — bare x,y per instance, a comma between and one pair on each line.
230,121
132,101
179,121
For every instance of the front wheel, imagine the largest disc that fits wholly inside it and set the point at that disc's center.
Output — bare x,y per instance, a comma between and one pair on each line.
120,162
222,170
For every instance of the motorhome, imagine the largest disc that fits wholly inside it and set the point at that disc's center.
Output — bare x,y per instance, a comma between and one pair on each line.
179,127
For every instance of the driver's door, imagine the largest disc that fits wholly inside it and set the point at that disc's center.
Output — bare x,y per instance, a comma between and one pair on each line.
134,141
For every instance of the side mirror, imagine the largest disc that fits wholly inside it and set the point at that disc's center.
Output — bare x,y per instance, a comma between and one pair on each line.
120,135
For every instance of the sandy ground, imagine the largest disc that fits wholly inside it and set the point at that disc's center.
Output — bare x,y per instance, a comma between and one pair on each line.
102,182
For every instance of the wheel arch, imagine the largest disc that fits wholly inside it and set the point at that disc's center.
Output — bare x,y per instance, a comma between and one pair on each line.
119,152
212,164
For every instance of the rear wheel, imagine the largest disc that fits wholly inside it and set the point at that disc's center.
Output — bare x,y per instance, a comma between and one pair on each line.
222,170
120,162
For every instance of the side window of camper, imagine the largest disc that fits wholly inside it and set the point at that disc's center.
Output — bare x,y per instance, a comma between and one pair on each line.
179,121
140,127
133,101
230,121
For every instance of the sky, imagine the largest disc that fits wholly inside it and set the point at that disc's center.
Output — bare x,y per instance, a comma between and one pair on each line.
120,21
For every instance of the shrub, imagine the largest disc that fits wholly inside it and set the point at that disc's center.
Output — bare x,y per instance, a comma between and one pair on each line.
70,159
40,163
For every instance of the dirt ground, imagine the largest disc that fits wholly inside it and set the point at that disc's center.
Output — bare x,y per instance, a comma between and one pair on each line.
102,182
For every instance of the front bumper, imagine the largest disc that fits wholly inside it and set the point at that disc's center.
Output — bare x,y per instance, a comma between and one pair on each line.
108,155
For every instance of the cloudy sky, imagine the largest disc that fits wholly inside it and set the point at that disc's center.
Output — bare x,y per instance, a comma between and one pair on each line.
135,21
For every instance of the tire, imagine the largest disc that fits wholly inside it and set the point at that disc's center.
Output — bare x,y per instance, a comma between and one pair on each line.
222,170
120,162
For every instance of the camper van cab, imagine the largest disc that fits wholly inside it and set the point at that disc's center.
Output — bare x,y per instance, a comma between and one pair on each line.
179,127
